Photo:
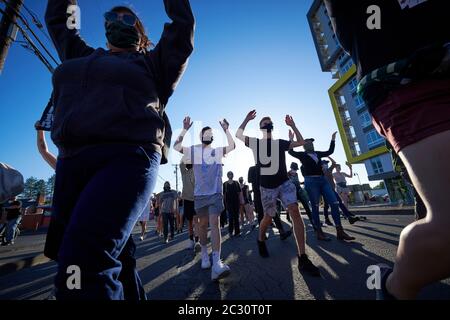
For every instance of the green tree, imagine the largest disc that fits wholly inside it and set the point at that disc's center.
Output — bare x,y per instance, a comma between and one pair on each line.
32,187
50,185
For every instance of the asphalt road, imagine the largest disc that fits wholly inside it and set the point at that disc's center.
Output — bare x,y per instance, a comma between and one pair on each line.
169,271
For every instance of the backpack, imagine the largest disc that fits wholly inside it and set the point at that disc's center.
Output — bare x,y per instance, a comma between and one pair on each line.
11,182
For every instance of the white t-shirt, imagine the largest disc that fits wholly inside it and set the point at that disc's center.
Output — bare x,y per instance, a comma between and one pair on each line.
207,164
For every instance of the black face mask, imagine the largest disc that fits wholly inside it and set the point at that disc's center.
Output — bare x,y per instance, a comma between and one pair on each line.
208,142
166,188
122,36
268,127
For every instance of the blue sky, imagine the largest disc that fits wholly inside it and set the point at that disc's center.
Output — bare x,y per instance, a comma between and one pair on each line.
248,54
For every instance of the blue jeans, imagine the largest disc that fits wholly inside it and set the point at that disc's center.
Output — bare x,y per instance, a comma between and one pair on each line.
99,196
11,226
344,209
316,187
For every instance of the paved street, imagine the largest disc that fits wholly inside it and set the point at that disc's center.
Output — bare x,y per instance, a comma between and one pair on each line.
169,271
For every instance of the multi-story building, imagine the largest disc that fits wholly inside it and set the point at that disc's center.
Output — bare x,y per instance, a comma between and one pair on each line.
361,141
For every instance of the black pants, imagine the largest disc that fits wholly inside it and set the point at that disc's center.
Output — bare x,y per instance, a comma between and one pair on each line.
277,220
223,218
168,218
258,204
233,220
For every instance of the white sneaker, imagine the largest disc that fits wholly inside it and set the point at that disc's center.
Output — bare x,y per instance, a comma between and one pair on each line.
206,263
190,245
142,238
219,271
197,247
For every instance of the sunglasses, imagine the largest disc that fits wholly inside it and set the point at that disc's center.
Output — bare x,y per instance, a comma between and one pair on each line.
128,19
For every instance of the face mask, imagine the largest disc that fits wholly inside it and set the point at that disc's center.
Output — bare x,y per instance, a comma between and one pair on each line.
207,142
189,166
122,36
309,147
166,188
268,127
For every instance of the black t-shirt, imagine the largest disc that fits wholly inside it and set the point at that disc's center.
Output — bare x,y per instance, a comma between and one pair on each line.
272,165
311,162
405,28
231,192
13,213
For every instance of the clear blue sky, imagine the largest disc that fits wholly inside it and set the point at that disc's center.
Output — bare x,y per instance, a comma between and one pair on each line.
248,54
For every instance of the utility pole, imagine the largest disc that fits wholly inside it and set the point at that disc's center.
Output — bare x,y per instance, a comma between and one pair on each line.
8,28
176,175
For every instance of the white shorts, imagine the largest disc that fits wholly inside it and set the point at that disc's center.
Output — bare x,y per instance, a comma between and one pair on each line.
287,193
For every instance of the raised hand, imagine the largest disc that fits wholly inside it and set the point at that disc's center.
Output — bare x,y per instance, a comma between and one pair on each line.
289,121
333,137
187,124
224,124
348,164
251,115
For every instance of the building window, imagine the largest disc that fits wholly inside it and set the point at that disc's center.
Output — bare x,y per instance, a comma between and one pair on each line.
359,102
365,118
353,85
377,166
373,138
347,67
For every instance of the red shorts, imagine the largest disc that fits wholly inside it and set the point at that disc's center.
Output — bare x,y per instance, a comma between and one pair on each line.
414,112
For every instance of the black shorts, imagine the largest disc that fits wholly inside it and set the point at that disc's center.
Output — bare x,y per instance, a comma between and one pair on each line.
189,210
156,212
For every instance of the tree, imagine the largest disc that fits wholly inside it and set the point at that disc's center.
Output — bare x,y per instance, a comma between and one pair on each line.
50,185
380,186
32,187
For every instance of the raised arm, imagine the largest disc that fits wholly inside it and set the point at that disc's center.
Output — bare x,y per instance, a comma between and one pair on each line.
351,170
330,151
333,164
231,144
43,149
240,132
170,56
187,124
67,41
299,138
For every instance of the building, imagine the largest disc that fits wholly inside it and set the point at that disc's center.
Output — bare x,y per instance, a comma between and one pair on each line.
362,143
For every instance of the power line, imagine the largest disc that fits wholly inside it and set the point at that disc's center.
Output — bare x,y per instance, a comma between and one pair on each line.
33,47
27,26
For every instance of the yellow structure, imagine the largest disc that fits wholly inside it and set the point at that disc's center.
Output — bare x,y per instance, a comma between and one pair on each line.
343,123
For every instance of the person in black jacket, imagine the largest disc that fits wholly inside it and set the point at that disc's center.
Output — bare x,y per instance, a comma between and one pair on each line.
317,185
402,53
112,134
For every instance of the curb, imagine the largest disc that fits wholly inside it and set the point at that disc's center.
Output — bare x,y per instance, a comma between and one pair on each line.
11,267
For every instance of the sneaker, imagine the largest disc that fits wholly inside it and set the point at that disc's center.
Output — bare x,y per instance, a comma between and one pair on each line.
197,247
166,240
142,238
285,235
305,265
262,248
206,263
328,222
352,220
190,245
219,271
382,293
